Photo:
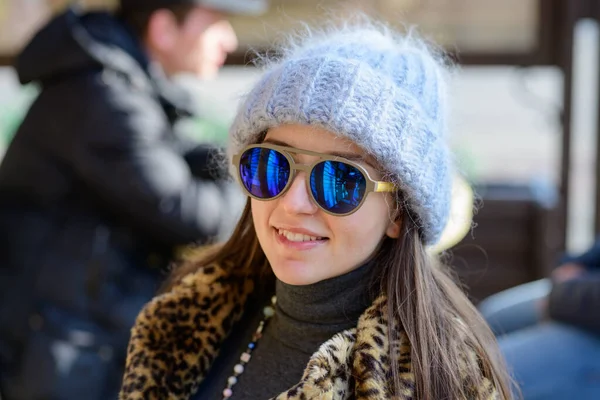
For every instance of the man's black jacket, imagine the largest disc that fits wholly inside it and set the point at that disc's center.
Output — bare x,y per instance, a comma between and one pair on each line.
96,188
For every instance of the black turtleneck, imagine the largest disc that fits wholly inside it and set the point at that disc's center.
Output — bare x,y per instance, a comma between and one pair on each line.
305,317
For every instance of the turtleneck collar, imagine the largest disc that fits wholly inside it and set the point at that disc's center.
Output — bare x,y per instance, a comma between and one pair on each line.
308,315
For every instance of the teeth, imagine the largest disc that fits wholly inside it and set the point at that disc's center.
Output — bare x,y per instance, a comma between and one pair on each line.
297,237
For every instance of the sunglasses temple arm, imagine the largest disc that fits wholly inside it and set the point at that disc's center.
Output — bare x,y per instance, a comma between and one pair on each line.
384,187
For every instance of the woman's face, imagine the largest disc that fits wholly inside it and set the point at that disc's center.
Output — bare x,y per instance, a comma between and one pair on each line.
342,243
199,45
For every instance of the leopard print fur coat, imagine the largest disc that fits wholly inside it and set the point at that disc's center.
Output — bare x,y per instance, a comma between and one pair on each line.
177,335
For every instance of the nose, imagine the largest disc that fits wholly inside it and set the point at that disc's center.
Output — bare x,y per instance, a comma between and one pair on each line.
297,200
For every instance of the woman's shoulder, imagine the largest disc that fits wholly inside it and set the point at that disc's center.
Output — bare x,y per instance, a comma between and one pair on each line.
213,281
376,334
177,325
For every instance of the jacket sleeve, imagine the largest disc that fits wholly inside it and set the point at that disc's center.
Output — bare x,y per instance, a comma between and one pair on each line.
577,302
120,154
589,259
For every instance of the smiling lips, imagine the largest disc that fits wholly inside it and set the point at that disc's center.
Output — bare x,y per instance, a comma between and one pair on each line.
298,237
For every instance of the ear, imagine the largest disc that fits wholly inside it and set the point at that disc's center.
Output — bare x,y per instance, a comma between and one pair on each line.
162,31
394,228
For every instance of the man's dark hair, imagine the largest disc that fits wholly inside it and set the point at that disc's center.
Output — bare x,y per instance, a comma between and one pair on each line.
138,20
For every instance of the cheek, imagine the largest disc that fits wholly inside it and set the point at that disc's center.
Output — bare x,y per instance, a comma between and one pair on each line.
261,212
364,229
180,54
190,46
205,45
202,48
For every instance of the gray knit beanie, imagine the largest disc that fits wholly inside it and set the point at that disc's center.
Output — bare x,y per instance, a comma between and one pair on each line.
383,91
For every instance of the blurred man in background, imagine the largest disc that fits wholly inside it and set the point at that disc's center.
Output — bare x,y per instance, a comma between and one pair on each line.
549,330
97,189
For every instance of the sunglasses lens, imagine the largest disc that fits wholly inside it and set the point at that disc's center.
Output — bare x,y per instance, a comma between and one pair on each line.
264,172
338,187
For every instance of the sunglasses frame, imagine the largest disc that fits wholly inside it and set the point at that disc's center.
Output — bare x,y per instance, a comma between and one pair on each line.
371,184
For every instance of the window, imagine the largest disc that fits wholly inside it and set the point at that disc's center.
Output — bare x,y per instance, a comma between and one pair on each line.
473,26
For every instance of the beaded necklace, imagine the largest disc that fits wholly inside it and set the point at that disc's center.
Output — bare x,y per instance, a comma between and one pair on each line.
238,369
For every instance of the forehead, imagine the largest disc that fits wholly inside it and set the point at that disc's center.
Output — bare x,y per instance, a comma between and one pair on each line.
315,139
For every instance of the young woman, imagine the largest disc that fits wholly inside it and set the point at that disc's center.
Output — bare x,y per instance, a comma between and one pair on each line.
327,290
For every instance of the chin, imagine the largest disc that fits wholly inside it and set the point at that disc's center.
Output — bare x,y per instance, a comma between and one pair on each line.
208,73
295,273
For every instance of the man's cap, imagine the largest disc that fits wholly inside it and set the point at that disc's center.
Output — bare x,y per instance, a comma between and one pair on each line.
243,7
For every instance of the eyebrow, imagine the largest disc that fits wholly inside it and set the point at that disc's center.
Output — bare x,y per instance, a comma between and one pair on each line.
348,156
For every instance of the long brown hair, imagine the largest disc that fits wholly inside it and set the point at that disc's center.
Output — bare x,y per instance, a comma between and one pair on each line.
442,325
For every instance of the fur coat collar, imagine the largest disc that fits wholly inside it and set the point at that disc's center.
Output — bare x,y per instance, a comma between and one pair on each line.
177,336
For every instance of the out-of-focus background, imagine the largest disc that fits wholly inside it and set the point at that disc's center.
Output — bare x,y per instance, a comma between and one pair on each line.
524,117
